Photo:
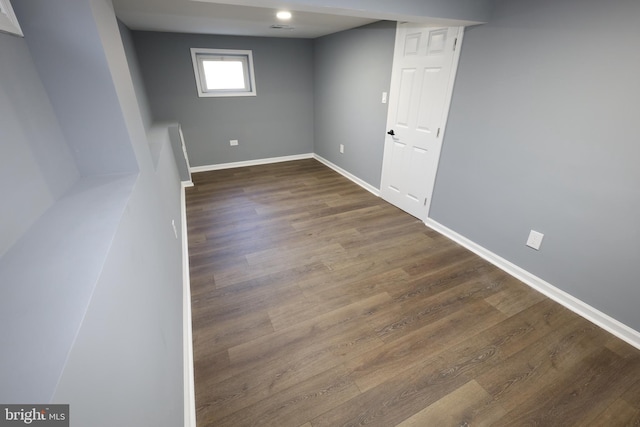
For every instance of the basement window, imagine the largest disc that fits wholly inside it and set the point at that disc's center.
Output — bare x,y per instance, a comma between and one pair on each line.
223,72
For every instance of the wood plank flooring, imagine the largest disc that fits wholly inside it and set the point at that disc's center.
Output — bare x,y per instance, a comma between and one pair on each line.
316,303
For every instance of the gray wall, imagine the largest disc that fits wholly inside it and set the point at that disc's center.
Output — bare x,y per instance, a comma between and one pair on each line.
136,75
277,122
77,80
543,134
36,165
352,69
127,347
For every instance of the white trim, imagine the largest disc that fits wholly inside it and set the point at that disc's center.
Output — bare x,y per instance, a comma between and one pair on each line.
370,188
187,334
574,304
198,55
448,101
8,20
361,183
579,307
207,168
452,81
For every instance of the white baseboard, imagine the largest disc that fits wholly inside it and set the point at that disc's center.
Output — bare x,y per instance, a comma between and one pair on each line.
346,174
363,184
579,307
221,166
187,334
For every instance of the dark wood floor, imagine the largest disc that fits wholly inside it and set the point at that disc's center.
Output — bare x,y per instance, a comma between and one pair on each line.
316,303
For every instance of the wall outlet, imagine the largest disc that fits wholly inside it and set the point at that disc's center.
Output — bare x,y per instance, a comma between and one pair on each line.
535,240
341,148
384,97
233,142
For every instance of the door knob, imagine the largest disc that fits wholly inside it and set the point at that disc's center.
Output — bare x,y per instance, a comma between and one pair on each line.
391,132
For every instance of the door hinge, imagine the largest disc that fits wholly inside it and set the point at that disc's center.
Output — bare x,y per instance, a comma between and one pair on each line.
438,134
455,44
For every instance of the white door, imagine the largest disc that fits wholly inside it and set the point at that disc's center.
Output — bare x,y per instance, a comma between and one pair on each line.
424,65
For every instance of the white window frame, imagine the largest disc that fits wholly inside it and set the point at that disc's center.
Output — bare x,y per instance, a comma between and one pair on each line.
199,55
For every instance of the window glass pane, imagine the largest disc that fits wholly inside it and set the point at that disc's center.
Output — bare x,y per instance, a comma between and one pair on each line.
223,72
224,75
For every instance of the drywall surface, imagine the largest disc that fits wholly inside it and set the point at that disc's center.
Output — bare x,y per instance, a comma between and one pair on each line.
77,79
543,135
277,122
128,352
36,165
439,12
115,303
48,277
136,75
352,69
418,10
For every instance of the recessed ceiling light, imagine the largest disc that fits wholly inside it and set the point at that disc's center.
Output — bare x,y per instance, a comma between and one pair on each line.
284,15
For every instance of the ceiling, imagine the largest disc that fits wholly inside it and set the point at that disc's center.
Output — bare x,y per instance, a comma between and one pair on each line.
250,18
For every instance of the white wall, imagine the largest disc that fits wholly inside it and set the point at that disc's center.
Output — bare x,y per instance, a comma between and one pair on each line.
36,165
108,314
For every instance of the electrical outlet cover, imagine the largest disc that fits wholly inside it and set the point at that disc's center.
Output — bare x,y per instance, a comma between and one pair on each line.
535,239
